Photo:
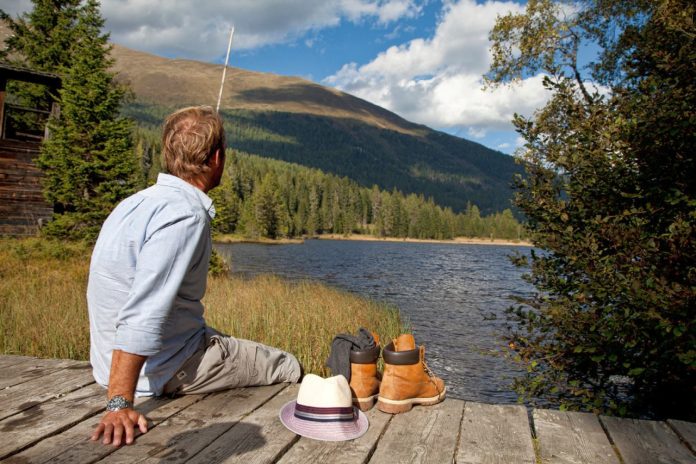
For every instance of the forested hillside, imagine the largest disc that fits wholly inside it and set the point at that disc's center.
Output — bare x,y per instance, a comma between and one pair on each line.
262,197
432,164
292,119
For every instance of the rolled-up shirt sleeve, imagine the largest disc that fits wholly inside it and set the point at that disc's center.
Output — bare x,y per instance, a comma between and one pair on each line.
163,262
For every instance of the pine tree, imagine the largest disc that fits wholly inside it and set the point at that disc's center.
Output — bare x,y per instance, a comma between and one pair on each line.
314,219
88,162
43,36
227,207
41,39
326,218
377,211
268,208
247,221
299,218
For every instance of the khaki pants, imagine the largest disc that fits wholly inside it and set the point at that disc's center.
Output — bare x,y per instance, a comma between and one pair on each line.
225,362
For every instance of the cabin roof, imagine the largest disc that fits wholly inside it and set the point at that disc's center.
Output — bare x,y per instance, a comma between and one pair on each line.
17,73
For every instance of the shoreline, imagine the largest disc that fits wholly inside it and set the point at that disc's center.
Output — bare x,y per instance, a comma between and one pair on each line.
229,239
456,240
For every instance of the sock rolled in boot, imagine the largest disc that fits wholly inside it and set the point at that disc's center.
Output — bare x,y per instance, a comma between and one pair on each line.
407,380
364,378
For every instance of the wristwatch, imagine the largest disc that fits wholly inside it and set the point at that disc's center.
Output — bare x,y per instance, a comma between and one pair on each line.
117,403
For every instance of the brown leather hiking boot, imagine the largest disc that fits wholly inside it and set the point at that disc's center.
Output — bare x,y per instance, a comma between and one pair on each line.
364,378
407,380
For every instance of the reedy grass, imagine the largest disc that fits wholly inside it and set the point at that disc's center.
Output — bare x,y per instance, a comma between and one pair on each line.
299,317
43,308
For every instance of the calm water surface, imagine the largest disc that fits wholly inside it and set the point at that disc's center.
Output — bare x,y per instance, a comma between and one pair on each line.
454,295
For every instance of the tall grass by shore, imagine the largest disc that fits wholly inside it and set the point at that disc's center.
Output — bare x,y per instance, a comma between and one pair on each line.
43,309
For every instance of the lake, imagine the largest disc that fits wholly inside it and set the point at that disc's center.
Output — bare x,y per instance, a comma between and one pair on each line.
454,295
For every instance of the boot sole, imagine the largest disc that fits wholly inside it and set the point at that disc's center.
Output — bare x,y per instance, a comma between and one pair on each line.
366,403
398,406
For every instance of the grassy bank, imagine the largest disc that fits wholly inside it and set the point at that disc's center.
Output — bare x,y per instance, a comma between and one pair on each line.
238,238
455,240
43,311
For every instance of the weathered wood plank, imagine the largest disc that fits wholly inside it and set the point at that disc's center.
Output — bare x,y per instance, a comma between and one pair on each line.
52,424
345,452
7,360
647,442
28,394
495,434
686,430
33,368
258,438
572,438
46,419
424,434
183,435
74,445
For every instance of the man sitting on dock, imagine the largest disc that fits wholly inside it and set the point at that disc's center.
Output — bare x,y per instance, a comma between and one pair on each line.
147,278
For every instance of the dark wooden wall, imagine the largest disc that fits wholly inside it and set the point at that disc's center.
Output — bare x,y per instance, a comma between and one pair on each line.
22,205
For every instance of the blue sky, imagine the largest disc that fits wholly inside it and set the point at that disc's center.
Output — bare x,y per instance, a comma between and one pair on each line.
422,59
319,54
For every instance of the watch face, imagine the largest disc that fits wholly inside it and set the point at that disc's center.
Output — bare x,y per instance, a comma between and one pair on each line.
118,402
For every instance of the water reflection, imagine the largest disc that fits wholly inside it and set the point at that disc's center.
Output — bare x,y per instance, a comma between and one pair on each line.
454,295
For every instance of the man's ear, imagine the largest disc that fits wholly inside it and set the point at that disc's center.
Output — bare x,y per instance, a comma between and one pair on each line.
217,158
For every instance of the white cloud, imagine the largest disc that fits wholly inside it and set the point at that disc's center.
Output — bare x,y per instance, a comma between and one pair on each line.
437,81
394,10
386,11
477,132
200,29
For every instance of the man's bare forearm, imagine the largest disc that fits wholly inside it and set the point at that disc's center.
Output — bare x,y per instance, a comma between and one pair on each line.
125,369
119,425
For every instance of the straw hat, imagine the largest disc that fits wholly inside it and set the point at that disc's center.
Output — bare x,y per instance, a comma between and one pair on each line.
324,410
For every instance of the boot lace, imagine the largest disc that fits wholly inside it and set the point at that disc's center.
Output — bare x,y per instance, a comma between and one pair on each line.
431,375
427,370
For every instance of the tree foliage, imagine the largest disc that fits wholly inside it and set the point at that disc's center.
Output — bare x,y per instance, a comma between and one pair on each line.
452,170
88,161
610,198
262,197
41,39
311,201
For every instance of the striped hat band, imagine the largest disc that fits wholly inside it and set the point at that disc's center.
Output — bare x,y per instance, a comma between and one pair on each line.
316,414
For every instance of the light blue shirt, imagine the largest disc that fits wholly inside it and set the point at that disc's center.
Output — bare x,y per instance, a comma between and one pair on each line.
146,280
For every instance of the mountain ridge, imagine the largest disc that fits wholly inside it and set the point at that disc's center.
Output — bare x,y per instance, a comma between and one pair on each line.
303,122
244,89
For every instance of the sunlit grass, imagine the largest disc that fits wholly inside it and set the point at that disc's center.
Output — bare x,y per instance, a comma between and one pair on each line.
301,318
43,310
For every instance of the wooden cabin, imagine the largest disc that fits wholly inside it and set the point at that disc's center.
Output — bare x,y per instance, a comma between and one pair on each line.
23,208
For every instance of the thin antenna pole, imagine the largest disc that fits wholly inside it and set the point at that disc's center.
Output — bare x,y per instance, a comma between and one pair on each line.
224,70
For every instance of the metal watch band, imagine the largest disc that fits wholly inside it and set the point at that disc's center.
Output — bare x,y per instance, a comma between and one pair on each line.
117,403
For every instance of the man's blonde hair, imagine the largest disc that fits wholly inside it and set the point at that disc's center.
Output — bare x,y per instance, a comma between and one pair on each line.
190,137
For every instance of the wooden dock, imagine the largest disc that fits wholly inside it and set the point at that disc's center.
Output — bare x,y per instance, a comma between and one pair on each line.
48,409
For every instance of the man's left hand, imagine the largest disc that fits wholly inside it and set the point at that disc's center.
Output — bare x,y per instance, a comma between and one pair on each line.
115,424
